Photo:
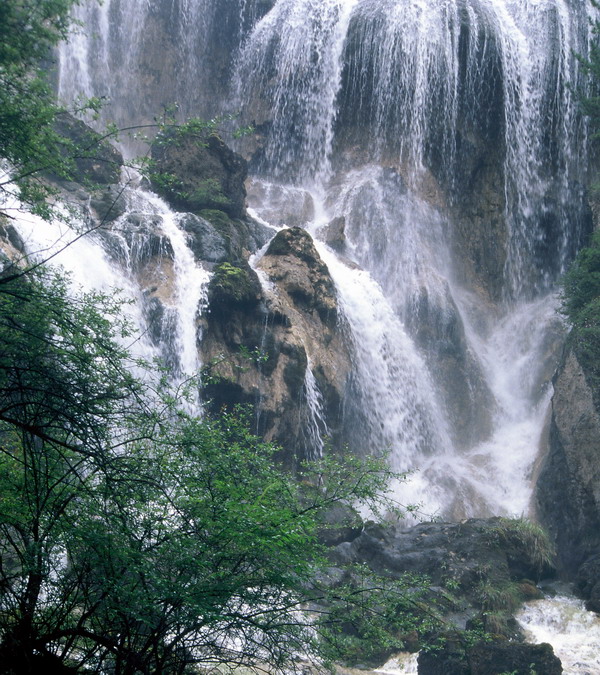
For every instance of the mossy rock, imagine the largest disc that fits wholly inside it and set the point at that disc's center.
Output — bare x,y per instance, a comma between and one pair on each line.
233,287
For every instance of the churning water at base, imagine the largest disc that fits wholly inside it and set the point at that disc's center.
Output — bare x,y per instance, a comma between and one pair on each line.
573,632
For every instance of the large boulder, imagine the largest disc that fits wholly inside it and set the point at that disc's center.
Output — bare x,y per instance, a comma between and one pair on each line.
275,345
476,573
199,171
490,659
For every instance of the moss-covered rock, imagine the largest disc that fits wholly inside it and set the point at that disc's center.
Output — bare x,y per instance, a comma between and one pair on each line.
199,171
233,287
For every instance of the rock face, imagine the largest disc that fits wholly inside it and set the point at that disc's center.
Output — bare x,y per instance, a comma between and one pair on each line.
568,488
465,556
478,571
200,172
490,659
276,345
96,161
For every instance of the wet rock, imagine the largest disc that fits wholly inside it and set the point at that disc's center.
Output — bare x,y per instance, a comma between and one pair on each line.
492,658
568,488
293,262
440,333
239,236
464,553
11,242
334,233
96,161
108,204
199,172
261,346
588,583
206,242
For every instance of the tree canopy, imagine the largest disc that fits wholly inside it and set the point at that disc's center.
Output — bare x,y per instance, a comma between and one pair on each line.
137,538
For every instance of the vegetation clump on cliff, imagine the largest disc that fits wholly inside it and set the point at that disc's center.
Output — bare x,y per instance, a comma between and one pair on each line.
581,306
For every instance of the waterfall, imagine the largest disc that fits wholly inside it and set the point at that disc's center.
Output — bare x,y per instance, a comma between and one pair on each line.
132,264
445,137
317,430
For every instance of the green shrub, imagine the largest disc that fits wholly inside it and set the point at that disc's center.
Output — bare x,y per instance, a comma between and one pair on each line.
581,307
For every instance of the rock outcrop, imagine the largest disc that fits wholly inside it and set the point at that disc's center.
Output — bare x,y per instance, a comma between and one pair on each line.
478,572
568,487
274,344
490,659
198,171
96,162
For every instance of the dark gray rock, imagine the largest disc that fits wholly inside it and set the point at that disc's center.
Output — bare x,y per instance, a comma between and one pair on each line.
568,488
588,582
108,204
206,242
96,161
233,288
492,658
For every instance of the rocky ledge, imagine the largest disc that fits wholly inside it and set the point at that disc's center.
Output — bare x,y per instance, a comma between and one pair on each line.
478,573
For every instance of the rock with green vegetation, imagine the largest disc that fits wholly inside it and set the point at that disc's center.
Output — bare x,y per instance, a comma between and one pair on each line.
233,288
293,262
479,571
581,306
259,350
489,658
96,162
194,170
239,236
568,487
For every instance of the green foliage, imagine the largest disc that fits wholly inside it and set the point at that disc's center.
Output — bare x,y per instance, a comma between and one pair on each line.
527,536
581,306
137,538
28,31
367,620
207,191
590,62
503,597
61,370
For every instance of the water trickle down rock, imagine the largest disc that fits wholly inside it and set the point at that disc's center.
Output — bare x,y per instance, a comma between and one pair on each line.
291,318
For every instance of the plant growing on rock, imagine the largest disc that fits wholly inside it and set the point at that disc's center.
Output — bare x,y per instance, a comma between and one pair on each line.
527,537
581,306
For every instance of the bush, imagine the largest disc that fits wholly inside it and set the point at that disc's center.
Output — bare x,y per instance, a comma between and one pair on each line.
581,306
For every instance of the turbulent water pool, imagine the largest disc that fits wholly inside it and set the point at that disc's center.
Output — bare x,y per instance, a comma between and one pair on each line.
574,632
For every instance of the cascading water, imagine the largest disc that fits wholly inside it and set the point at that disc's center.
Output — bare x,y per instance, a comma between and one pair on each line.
445,136
379,105
573,631
131,264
